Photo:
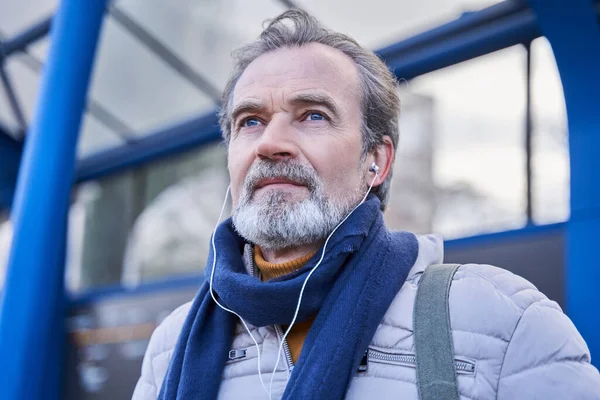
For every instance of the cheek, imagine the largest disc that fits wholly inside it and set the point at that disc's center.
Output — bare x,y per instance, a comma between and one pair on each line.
340,171
348,179
238,169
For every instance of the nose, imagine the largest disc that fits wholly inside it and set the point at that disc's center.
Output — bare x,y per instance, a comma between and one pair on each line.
277,141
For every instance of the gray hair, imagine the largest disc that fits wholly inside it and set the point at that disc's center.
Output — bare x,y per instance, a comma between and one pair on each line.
380,101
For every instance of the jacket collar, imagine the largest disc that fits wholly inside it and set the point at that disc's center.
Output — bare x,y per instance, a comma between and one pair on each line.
431,251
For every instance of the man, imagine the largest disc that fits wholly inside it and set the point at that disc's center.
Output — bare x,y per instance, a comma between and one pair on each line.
310,121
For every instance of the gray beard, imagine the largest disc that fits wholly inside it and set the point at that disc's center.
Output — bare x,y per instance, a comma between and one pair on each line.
274,222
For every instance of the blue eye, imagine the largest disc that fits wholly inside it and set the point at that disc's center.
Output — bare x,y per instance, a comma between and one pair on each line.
250,122
315,116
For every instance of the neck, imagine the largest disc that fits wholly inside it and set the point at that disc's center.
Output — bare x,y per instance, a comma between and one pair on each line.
279,256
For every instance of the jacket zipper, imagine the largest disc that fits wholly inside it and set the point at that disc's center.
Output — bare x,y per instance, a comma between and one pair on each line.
286,348
410,360
251,260
278,330
238,355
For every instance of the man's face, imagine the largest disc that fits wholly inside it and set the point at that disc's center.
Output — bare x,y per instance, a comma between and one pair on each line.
296,144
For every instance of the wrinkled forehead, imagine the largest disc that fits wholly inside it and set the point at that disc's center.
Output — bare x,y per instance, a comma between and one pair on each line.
275,76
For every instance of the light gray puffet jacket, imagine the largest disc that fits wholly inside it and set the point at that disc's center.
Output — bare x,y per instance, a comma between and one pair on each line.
510,343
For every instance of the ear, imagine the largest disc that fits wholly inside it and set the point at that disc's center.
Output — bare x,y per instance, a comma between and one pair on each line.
383,156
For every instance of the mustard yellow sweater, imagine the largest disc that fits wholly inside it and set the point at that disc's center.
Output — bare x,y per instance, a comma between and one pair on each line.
269,271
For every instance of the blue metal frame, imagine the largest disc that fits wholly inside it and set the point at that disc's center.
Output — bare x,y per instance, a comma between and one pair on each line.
497,237
516,29
110,292
32,314
474,34
574,33
467,22
166,54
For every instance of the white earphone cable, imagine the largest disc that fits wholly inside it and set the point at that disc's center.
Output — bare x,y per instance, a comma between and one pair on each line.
376,171
212,274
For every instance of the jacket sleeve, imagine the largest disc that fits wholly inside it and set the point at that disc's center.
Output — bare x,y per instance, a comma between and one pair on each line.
158,354
547,358
145,389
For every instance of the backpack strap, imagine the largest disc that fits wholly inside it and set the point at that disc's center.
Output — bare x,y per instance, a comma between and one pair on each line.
436,372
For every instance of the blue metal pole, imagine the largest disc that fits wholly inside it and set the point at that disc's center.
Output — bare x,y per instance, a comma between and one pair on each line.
572,28
466,23
34,283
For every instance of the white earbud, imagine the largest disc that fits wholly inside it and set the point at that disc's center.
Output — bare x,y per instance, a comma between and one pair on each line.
374,168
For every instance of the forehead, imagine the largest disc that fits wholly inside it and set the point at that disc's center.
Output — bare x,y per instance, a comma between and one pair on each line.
284,72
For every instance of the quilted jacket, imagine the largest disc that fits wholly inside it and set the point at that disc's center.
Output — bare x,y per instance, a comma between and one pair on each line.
510,343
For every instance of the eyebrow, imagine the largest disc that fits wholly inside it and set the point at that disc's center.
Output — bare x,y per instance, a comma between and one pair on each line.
321,99
246,106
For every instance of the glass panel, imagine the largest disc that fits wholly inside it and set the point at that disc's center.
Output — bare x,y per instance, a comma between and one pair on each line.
376,23
478,143
183,200
550,186
40,48
203,33
412,193
16,16
25,83
95,137
100,219
137,87
149,223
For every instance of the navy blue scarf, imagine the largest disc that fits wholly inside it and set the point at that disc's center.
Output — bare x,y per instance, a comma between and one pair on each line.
363,269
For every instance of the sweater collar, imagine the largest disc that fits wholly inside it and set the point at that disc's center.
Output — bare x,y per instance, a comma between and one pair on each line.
270,270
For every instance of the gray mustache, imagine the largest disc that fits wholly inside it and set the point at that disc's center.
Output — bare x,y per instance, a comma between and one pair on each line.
280,169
